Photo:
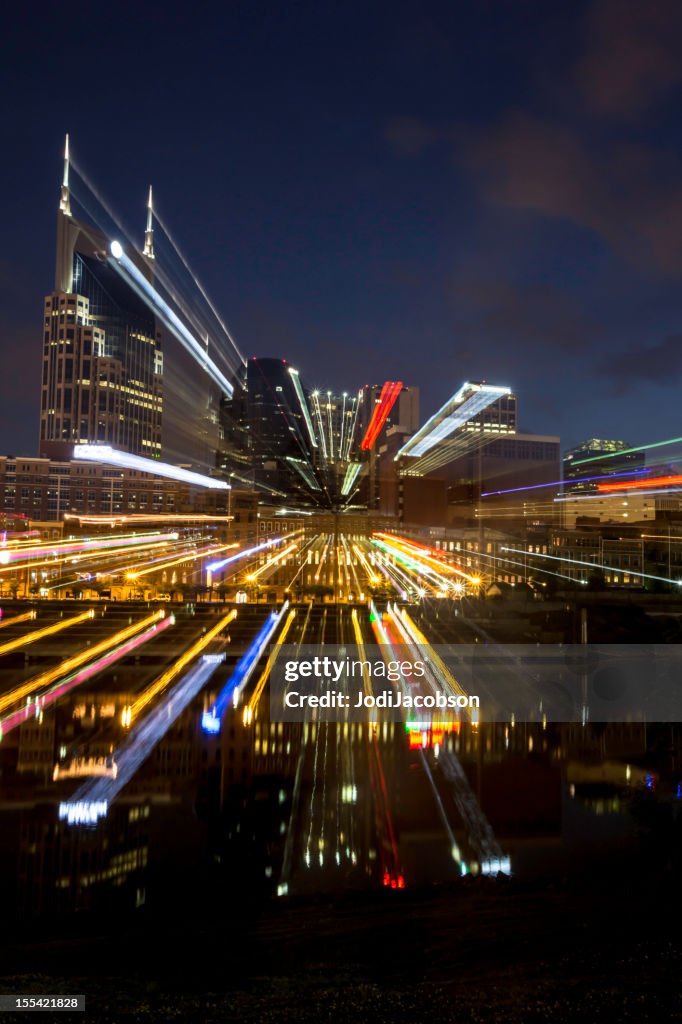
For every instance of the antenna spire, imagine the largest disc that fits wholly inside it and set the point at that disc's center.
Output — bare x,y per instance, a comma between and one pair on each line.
65,197
148,250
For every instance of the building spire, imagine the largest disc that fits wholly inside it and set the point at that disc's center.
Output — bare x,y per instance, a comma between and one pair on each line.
65,198
149,233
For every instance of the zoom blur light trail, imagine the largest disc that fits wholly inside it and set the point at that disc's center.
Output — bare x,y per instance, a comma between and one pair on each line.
629,485
591,565
416,566
38,634
271,562
16,619
93,799
380,413
136,279
265,675
34,708
392,875
573,481
211,719
423,552
141,517
214,567
45,678
442,672
130,713
469,401
9,556
182,558
627,451
369,569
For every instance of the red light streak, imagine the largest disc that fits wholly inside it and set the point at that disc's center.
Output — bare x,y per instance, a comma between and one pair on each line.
627,485
387,399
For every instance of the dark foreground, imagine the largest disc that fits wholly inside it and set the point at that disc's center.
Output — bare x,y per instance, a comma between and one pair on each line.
485,950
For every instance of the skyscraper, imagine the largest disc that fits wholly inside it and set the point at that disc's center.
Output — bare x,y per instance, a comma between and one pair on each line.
102,361
591,459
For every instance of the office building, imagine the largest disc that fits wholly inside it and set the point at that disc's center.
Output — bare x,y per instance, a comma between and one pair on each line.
102,367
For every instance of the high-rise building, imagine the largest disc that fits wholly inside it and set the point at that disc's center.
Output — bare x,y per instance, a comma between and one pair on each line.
401,419
595,458
102,365
267,433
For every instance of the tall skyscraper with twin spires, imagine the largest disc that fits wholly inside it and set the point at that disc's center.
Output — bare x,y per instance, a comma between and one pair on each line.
102,367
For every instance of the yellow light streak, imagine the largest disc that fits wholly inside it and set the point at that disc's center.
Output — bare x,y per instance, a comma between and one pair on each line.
38,634
271,561
204,553
265,675
129,714
67,666
433,657
17,619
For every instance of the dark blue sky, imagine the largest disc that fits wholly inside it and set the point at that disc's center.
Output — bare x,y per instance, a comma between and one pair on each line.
427,192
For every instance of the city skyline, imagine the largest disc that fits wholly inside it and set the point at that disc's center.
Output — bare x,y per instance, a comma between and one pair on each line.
337,232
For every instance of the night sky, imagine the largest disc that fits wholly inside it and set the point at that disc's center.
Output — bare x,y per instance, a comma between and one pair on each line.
424,192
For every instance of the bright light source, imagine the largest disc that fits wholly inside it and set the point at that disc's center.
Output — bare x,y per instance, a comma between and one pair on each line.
116,250
112,457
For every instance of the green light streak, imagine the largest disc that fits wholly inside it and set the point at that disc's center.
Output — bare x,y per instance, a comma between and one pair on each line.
626,451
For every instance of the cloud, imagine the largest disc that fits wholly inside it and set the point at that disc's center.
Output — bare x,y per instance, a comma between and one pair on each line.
659,364
632,55
628,194
409,136
531,318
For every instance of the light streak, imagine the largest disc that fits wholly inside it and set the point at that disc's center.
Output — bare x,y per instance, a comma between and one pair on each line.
302,469
592,565
265,675
567,482
628,485
216,566
331,430
130,713
304,405
111,457
136,748
318,413
350,477
45,678
141,517
343,425
186,557
271,562
567,499
141,285
627,451
380,413
60,548
457,411
16,619
393,876
34,708
351,432
416,556
211,720
38,634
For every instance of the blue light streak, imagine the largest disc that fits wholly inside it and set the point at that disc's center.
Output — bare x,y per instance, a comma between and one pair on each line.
211,720
92,800
215,566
